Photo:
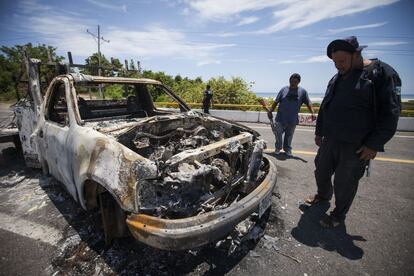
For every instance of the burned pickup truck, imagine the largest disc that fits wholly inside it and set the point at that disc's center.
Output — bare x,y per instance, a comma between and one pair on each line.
173,179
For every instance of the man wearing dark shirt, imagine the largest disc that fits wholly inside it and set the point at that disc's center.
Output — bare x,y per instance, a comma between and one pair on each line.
207,99
358,115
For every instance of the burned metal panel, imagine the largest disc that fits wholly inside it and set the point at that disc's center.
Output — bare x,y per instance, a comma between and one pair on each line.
26,120
176,194
198,230
100,79
54,136
208,151
90,155
112,127
75,154
110,164
32,67
27,113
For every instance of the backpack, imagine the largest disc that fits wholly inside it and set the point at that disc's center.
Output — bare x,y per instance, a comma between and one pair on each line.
375,73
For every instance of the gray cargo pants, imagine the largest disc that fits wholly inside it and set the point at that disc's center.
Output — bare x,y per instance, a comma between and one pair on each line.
341,160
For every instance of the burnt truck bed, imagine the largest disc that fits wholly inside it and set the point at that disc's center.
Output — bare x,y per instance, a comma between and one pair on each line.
9,135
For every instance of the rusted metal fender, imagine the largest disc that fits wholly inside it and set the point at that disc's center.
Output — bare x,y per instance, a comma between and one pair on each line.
109,163
187,233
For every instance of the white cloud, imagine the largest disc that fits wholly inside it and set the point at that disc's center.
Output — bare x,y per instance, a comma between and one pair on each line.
207,62
185,11
65,33
170,3
306,13
387,43
228,34
288,14
160,42
247,20
219,10
69,34
32,6
104,5
353,28
314,59
373,53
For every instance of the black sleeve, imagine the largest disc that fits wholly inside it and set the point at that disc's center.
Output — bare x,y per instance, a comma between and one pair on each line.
387,111
319,120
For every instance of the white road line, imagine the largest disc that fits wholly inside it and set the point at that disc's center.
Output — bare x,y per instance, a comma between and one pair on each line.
30,229
312,130
268,127
403,136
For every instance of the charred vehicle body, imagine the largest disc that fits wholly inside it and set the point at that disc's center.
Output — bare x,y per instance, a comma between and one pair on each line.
173,179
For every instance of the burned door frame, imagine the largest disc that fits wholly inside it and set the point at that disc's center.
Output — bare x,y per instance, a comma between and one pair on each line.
57,153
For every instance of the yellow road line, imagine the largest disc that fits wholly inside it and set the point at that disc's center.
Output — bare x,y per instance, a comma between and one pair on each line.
313,130
268,127
394,160
385,159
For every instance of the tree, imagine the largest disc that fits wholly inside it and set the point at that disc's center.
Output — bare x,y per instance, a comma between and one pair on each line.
106,71
11,59
116,63
235,91
178,78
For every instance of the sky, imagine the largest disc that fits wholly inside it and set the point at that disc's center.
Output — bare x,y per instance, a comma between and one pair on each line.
262,41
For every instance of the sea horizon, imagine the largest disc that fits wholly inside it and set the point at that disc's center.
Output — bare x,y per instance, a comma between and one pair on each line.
317,97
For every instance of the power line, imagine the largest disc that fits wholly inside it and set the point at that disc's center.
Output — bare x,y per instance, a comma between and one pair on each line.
99,52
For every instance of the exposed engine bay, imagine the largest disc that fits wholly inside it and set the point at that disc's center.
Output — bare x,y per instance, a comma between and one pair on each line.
203,163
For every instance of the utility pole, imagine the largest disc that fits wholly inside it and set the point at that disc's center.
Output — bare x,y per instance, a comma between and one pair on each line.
99,54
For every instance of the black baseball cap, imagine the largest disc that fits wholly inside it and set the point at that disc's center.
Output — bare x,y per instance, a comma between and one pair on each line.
295,76
348,44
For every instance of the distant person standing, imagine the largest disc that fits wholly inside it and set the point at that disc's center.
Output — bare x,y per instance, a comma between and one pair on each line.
207,99
358,115
290,99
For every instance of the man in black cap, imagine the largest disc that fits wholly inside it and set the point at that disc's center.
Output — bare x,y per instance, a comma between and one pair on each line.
357,116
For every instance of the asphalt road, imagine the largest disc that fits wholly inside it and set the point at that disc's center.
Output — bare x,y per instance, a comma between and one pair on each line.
43,231
377,238
6,115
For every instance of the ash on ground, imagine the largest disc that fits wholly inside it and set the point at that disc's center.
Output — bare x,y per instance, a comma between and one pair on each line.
82,249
